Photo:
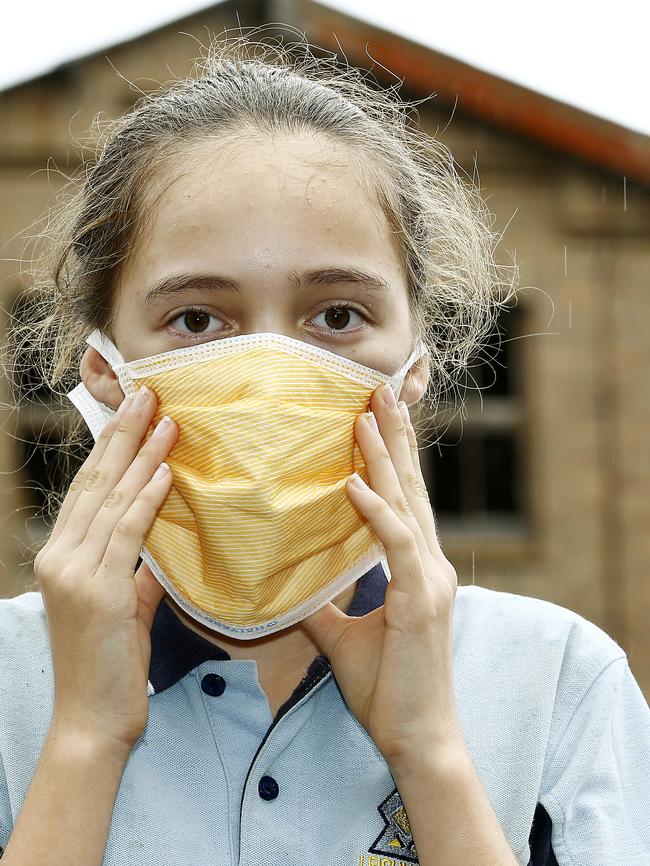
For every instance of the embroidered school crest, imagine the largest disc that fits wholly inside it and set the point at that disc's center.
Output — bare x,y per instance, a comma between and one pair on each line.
395,840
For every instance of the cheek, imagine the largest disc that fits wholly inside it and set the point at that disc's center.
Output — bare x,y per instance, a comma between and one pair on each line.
388,348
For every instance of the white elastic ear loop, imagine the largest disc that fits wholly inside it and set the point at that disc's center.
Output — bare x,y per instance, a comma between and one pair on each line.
397,380
106,348
95,414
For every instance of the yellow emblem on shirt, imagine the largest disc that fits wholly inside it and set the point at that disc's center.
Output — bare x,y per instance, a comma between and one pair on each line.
395,840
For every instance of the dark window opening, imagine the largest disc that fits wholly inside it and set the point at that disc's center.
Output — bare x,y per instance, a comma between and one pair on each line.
474,468
477,474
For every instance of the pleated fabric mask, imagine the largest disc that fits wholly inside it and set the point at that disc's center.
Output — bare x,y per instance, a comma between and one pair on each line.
257,531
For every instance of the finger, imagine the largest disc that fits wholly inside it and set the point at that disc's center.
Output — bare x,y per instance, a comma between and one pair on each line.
150,594
420,501
383,478
123,549
120,499
395,438
79,480
394,435
402,549
326,627
121,449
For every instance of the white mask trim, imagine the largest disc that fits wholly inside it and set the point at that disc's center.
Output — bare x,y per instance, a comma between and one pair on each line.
160,363
311,605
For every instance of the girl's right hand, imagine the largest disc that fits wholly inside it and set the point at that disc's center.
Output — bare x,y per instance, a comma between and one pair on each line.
99,612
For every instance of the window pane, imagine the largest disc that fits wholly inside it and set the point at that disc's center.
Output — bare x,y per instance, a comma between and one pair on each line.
444,478
477,475
500,472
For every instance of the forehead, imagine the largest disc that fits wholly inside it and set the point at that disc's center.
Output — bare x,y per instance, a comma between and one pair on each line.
287,165
270,191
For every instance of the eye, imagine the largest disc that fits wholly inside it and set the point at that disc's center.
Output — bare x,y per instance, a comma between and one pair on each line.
337,316
196,321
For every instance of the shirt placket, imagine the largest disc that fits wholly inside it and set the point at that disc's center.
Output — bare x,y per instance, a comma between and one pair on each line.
261,789
239,717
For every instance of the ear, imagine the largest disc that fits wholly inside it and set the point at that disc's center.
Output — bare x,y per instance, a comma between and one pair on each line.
416,381
98,377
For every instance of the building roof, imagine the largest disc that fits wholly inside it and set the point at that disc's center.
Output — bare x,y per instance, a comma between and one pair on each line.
497,100
501,102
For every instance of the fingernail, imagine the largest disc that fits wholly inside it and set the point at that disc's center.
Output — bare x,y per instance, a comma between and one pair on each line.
370,417
163,469
404,411
357,481
389,397
141,397
162,426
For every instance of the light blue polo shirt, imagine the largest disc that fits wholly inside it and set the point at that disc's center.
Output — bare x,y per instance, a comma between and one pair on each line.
554,720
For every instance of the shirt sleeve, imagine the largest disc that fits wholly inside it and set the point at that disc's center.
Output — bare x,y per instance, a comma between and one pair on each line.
597,786
6,820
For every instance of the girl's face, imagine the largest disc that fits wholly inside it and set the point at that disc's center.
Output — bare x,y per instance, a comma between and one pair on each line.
264,235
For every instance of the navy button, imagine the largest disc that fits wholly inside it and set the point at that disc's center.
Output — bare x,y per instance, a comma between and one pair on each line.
268,788
213,684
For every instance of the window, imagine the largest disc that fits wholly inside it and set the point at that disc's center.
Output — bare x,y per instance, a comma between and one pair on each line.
474,471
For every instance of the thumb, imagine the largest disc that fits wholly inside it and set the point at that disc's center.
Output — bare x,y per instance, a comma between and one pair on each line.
150,594
326,627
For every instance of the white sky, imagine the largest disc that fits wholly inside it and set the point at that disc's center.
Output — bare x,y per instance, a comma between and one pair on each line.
590,53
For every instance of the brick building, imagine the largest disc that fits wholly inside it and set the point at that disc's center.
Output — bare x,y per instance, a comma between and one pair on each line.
546,492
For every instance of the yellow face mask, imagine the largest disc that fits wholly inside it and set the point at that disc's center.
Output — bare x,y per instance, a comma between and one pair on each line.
257,531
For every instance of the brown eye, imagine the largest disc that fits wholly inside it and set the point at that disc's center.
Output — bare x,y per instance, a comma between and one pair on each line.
194,322
338,316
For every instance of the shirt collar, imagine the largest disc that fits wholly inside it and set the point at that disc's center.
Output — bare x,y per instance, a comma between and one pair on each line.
176,649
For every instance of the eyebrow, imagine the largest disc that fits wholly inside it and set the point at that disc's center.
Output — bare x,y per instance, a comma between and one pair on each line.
176,283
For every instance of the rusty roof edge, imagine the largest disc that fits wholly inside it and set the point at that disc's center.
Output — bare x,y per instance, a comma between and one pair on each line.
499,101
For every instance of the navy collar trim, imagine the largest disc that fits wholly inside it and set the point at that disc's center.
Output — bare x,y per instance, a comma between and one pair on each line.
176,649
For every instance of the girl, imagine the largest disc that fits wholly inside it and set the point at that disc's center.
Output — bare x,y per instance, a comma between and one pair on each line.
274,253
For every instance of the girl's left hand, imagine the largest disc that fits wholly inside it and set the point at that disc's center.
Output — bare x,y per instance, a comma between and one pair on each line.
394,665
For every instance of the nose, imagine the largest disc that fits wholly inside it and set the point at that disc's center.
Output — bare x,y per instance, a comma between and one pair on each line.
272,322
